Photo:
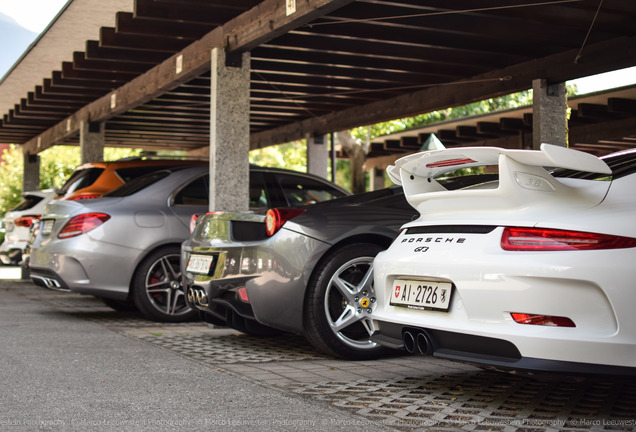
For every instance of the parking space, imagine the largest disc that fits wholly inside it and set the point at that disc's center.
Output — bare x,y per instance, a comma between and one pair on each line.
402,392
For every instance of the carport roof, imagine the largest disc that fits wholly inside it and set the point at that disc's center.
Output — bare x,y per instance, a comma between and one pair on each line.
330,65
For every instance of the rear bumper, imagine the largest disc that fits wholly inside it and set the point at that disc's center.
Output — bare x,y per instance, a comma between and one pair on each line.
491,353
48,279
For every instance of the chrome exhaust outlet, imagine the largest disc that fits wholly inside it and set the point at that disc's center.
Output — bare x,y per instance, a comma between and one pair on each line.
409,342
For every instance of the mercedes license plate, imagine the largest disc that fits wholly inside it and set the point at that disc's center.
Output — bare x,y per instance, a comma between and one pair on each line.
420,294
47,226
200,264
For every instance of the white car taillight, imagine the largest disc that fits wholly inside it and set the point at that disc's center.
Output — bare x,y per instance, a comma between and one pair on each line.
543,239
82,224
542,320
26,221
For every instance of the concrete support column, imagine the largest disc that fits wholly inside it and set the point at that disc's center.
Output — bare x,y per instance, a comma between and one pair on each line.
31,172
549,114
229,131
317,155
91,142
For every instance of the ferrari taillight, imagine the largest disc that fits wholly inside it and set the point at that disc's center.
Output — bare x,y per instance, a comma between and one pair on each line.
275,218
193,221
82,224
542,320
242,293
26,221
542,239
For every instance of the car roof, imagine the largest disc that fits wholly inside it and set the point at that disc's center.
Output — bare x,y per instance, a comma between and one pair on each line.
143,161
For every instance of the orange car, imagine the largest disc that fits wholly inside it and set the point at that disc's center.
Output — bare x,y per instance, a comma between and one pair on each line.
92,180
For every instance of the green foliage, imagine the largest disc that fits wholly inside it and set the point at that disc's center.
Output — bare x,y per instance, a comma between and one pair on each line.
56,165
10,179
291,156
514,100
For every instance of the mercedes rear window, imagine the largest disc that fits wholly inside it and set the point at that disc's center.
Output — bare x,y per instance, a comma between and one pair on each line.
130,173
301,191
137,184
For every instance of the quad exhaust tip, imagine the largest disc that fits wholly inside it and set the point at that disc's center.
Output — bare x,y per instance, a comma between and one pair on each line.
417,342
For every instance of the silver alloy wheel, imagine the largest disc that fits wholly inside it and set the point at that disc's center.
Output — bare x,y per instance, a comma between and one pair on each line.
349,301
163,286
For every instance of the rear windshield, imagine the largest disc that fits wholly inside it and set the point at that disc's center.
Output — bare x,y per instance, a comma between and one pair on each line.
80,179
28,201
137,184
127,174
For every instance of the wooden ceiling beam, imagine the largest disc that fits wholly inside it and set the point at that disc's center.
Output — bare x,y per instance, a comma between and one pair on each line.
260,24
126,23
109,38
608,55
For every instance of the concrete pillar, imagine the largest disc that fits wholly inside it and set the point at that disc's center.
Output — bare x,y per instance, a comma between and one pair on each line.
31,172
317,155
549,114
229,131
91,142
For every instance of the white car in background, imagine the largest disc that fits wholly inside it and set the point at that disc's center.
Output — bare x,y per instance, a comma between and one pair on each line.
18,222
534,274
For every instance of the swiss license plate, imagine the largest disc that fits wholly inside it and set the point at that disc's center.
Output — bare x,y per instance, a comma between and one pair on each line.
47,227
420,294
200,264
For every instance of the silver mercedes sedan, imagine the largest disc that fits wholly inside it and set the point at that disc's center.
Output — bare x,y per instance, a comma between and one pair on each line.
125,246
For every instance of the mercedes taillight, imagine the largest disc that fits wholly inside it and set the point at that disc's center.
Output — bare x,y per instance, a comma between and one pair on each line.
82,224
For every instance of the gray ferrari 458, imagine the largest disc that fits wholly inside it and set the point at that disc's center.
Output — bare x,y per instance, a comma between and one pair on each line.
304,270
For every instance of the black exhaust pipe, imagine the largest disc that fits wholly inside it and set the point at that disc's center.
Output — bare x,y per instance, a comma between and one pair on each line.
423,343
409,342
417,341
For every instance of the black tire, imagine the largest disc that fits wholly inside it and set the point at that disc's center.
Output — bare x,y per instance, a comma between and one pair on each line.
157,290
119,305
325,302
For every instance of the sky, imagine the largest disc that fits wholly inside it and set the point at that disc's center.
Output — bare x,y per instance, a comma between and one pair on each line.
35,15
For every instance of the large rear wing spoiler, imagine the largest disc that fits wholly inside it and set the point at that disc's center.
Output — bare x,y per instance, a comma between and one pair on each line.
522,173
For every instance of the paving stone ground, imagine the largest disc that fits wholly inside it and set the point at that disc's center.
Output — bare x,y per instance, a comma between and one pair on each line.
402,392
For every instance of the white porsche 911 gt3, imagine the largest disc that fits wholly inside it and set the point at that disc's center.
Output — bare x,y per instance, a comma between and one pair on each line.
534,273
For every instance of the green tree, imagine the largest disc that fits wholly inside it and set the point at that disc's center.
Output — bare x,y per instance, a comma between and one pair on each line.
291,156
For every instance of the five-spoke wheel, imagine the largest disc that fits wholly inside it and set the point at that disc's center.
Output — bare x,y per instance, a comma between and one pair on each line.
339,303
157,290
